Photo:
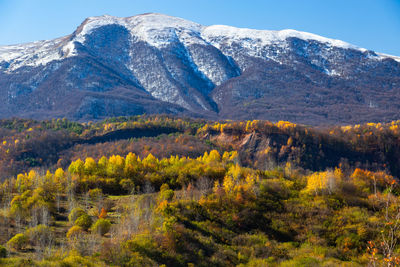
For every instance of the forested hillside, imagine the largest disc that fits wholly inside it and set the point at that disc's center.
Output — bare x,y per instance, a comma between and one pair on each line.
160,190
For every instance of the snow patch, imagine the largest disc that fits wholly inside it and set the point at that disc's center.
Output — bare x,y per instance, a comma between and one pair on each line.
155,29
332,72
264,37
383,56
160,31
30,54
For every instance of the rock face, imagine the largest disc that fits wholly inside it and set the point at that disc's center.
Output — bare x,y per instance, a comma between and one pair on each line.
154,63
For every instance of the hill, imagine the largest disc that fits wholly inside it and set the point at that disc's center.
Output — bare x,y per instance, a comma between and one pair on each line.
159,190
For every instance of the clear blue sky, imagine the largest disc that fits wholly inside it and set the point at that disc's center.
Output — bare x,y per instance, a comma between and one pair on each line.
372,24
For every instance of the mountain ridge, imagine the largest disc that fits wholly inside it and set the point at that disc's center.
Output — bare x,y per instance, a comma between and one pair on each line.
182,67
271,35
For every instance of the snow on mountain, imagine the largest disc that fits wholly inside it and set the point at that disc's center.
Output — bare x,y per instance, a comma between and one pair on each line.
155,29
159,31
265,37
32,54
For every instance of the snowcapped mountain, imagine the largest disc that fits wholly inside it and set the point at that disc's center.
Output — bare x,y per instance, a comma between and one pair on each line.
154,63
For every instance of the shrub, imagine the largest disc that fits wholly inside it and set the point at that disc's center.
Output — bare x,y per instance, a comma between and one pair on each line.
84,221
103,213
18,242
301,261
3,252
95,194
127,185
75,214
93,212
257,263
101,226
76,260
166,193
74,232
136,259
108,204
41,234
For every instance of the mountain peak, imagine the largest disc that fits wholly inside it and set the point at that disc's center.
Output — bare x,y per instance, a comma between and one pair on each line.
153,28
150,20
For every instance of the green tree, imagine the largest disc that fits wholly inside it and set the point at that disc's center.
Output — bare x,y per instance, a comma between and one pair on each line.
101,226
18,242
84,221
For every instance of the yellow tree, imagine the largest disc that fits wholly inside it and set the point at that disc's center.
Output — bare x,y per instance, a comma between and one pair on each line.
90,166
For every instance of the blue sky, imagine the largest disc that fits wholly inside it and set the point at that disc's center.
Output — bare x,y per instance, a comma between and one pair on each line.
372,24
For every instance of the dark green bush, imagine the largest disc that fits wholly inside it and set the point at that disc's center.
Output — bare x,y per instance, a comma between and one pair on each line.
84,221
74,232
101,226
18,242
3,252
75,214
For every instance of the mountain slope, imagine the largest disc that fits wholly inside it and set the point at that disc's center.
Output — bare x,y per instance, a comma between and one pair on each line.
154,63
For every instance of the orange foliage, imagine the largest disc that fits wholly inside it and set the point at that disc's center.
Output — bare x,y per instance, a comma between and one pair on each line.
103,214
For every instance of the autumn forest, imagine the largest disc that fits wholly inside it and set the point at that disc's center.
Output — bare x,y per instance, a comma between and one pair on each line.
167,191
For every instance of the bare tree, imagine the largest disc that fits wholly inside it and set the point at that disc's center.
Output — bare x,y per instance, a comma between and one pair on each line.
45,215
34,218
390,228
70,193
44,243
148,188
390,235
58,198
204,185
138,215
